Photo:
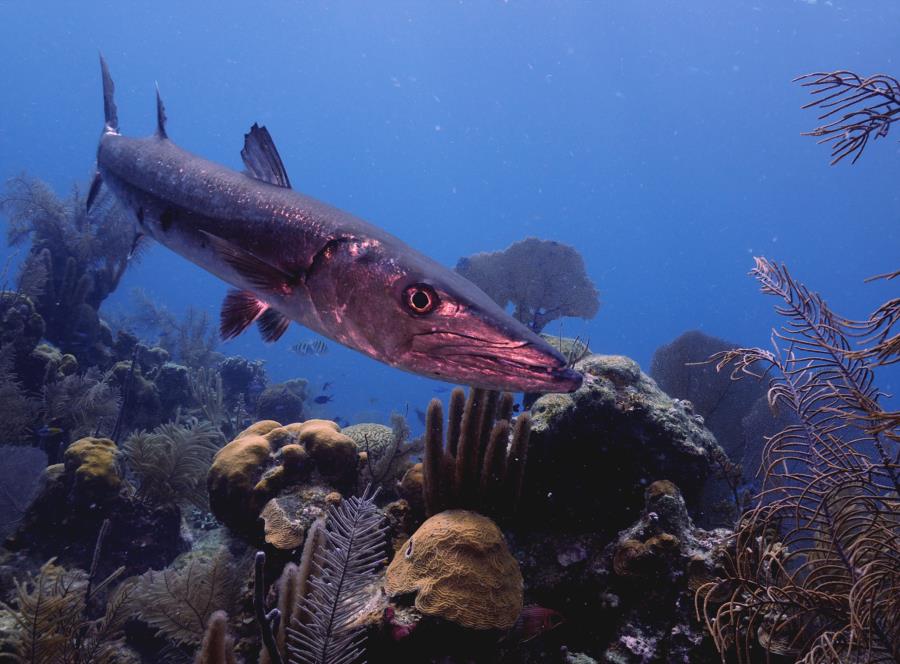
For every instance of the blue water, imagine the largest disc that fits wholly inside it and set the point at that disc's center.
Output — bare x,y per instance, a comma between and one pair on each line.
660,138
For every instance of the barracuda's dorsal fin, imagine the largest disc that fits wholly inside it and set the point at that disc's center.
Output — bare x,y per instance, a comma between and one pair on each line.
261,158
160,115
110,114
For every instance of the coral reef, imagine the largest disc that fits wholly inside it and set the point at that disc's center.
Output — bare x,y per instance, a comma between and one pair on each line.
74,500
387,451
75,260
458,567
53,613
605,443
337,595
626,599
736,412
179,601
544,280
267,458
283,401
170,463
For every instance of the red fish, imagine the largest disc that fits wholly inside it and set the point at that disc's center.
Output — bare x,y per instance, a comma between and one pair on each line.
536,620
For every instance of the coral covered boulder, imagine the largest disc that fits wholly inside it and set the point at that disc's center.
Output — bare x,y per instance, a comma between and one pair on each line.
77,496
268,458
460,569
594,452
92,461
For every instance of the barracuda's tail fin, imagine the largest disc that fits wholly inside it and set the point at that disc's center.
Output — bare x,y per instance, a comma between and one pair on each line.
111,116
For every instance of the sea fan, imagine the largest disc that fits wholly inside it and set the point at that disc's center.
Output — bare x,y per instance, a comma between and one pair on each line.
353,549
179,600
814,569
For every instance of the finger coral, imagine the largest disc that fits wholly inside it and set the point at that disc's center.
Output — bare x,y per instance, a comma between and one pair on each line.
481,464
460,569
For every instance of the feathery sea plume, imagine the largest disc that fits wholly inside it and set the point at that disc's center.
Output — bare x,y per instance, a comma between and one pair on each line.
813,571
344,566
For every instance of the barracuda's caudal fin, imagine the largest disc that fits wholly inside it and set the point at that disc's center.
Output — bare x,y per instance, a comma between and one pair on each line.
110,114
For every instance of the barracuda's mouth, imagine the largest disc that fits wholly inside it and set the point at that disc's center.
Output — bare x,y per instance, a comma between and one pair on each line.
501,364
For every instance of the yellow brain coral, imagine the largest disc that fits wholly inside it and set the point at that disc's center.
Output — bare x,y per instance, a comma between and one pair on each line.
93,461
458,565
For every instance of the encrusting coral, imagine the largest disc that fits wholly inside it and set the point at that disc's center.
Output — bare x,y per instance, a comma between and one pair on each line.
544,280
460,569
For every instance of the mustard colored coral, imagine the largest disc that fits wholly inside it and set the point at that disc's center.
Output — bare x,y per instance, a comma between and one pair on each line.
94,462
266,458
460,568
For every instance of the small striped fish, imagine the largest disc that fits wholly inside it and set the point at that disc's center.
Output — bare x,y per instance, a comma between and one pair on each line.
311,347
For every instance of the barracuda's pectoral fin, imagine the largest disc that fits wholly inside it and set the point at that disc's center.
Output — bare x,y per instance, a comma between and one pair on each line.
261,158
242,308
257,271
272,325
239,310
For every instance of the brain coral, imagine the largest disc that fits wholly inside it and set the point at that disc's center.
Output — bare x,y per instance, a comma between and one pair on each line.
458,565
93,461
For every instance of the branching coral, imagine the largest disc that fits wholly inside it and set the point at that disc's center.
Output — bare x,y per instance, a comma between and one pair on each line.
17,409
814,569
191,340
856,108
171,462
543,280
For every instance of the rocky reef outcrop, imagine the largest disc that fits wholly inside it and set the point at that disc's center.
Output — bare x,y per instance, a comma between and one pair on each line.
73,501
593,452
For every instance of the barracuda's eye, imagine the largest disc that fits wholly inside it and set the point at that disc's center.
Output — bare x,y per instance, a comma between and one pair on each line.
420,299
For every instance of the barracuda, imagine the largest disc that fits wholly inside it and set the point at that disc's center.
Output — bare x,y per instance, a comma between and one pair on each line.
290,258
